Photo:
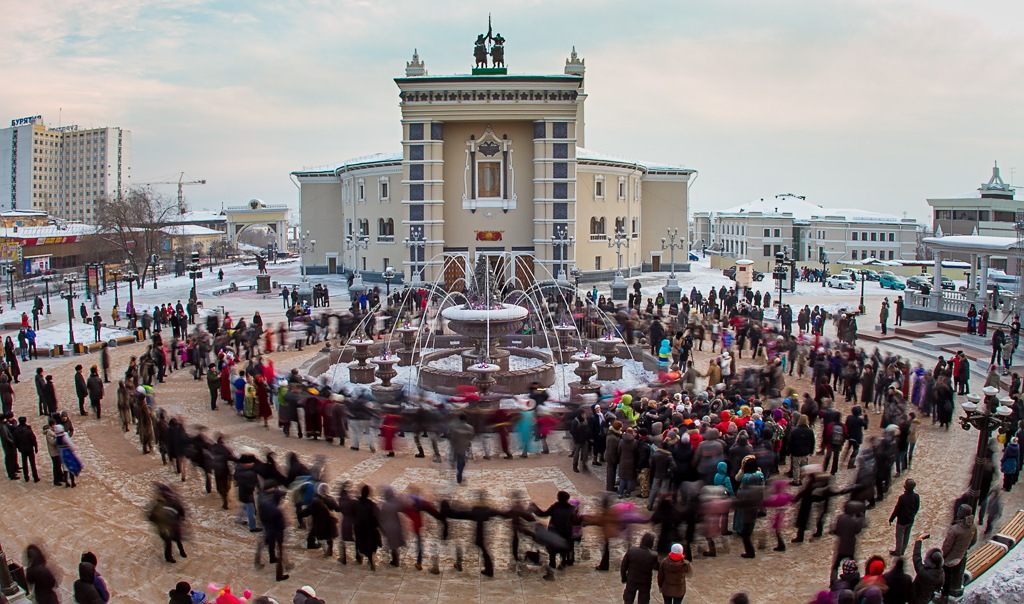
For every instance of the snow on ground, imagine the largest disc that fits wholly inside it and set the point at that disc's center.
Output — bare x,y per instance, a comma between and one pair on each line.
84,334
1002,583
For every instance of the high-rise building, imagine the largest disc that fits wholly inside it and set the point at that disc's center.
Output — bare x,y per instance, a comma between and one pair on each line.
62,170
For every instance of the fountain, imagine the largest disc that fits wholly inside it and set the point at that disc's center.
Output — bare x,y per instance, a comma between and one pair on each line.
385,392
585,370
610,370
408,354
486,322
360,372
484,376
564,351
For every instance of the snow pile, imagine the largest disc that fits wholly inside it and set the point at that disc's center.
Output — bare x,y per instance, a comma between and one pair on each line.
1004,582
84,334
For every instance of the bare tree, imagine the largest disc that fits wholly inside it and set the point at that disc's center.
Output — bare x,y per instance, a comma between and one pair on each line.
132,222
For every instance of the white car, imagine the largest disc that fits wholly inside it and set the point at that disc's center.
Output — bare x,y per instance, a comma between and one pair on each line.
841,281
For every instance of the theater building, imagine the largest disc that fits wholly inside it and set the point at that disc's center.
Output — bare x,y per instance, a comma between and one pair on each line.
494,165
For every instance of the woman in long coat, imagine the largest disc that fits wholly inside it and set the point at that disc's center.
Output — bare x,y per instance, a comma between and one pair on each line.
391,523
367,527
347,508
314,422
323,524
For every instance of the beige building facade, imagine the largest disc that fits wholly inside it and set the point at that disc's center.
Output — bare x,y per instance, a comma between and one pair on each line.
788,223
491,165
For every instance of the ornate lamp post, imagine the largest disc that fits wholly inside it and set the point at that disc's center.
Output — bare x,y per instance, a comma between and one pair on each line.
116,274
988,417
388,275
562,241
863,277
130,277
303,248
617,241
8,587
70,295
46,281
357,242
673,292
415,244
824,266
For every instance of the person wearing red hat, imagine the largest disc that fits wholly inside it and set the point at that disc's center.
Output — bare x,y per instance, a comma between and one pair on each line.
672,574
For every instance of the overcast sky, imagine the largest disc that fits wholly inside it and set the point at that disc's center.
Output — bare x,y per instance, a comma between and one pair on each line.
870,104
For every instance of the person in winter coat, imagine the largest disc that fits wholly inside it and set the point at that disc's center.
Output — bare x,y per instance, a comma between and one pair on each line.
26,444
847,527
323,525
708,453
904,513
801,447
672,575
928,575
98,582
628,449
40,580
81,391
94,386
611,454
1009,464
637,570
898,583
391,523
246,482
959,538
85,588
367,527
662,468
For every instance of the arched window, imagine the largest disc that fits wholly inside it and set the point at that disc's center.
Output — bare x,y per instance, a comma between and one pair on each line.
364,226
620,225
597,228
385,230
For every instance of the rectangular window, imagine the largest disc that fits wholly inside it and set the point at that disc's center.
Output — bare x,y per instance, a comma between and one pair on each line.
872,253
361,192
597,263
560,130
436,131
538,129
778,232
416,172
415,192
971,215
863,236
892,237
416,211
622,189
416,152
854,254
767,251
560,151
561,190
982,215
854,238
946,215
767,232
1001,216
415,132
488,179
598,188
890,254
778,249
560,170
384,188
873,237
560,211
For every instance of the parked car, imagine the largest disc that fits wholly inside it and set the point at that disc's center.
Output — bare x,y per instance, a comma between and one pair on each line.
731,274
694,257
919,282
842,281
872,275
891,281
948,283
851,273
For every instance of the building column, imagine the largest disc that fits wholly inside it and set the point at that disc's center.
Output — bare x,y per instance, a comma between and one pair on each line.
974,275
983,280
937,282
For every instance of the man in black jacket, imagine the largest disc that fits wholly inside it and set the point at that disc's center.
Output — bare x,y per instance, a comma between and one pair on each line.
637,570
855,426
904,513
40,382
580,432
929,575
25,442
95,387
80,389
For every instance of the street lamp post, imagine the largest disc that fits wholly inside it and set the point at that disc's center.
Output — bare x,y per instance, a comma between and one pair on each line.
619,240
561,241
824,266
116,274
863,278
388,275
414,255
303,248
130,277
11,591
46,281
673,293
70,295
986,418
355,242
11,271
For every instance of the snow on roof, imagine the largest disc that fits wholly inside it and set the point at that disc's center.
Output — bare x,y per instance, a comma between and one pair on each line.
197,216
189,230
587,154
801,209
975,242
375,158
51,230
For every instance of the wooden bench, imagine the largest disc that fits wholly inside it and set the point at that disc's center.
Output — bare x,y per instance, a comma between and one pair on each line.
983,559
1012,532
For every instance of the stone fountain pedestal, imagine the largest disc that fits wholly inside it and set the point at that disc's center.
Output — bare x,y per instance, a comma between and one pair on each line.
360,372
385,392
407,354
609,370
585,370
564,352
484,378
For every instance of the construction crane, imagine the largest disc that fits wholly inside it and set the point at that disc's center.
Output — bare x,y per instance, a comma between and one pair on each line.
181,182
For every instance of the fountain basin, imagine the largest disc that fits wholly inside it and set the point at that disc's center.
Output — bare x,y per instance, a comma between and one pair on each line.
446,381
486,328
